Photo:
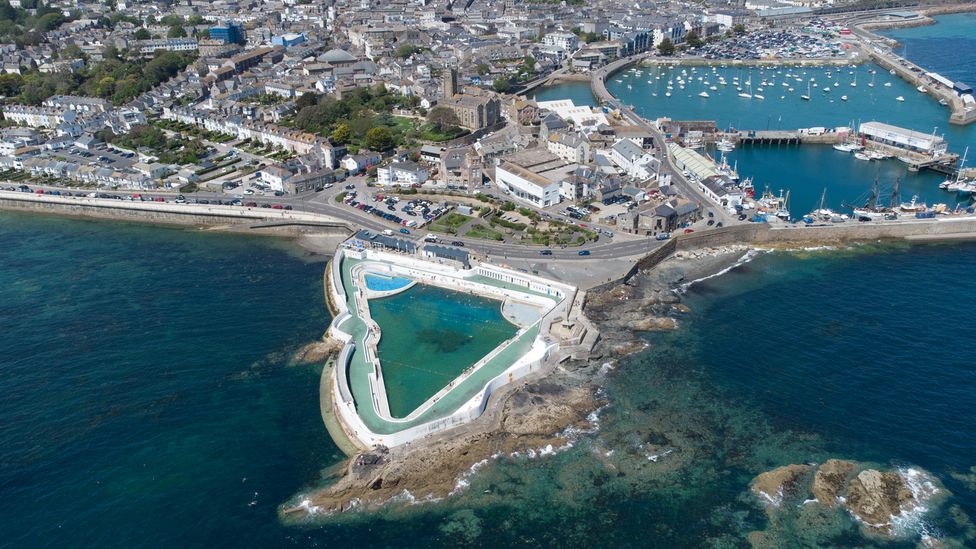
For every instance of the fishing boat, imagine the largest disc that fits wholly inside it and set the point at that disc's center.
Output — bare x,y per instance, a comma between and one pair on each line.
912,207
725,145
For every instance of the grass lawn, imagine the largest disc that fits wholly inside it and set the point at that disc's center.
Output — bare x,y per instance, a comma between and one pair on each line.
449,223
428,133
480,231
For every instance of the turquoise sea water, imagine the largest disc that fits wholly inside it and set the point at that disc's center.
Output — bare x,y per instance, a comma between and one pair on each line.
430,335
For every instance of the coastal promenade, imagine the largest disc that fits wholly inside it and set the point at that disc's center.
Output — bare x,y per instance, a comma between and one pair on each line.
174,214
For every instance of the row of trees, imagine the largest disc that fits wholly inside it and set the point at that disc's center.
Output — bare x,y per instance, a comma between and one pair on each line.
115,78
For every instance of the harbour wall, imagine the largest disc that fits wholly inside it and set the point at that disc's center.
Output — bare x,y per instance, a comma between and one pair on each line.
230,218
762,234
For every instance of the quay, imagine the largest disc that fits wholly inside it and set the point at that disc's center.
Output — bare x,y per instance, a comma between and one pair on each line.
960,113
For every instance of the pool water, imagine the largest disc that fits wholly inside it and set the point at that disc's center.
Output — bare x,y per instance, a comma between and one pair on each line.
384,283
430,336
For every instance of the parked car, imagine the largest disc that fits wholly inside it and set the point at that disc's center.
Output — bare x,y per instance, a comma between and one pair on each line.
251,204
689,231
404,231
457,243
663,236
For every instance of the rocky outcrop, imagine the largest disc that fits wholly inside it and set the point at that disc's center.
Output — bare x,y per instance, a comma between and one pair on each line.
773,486
830,481
875,497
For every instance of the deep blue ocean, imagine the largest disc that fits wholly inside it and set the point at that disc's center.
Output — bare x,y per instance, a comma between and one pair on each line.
147,399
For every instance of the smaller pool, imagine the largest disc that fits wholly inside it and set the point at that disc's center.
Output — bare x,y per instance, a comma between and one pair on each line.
384,283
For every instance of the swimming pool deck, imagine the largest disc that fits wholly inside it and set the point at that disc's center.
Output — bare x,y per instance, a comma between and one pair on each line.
364,372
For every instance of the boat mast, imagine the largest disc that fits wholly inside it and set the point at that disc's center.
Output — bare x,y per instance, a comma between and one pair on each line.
874,195
894,193
822,196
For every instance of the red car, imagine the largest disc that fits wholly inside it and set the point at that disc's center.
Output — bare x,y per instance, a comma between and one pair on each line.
277,206
687,231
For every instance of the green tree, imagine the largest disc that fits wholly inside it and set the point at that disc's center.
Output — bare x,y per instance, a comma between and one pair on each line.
739,28
693,40
176,31
141,34
307,99
501,85
341,134
379,139
406,51
666,47
483,69
442,118
10,84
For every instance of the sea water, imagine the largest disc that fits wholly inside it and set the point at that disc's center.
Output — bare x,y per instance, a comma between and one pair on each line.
145,400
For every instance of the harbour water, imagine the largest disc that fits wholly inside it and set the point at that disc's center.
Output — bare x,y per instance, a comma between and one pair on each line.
806,171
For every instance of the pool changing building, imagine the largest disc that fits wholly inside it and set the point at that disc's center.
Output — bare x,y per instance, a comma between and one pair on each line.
358,392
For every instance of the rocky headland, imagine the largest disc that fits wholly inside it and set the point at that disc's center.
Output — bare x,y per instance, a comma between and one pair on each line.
538,416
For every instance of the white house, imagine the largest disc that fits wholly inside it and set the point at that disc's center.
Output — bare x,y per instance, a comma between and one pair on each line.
401,173
633,160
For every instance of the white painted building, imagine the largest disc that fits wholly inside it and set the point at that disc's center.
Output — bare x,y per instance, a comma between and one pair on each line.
526,185
401,173
566,40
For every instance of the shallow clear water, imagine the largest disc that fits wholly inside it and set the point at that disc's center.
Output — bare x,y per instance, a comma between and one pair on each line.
431,335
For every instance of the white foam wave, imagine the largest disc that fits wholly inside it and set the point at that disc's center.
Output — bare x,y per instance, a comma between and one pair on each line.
746,258
911,520
462,481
